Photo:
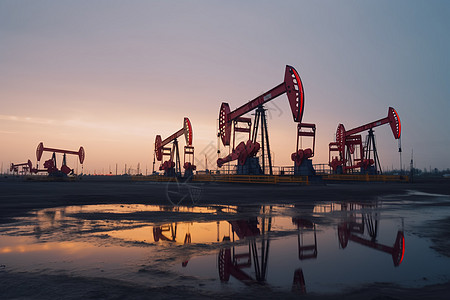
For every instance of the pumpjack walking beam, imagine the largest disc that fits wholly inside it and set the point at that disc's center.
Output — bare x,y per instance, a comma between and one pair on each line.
292,86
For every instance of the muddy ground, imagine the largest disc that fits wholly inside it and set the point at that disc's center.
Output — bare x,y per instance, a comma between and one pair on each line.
18,198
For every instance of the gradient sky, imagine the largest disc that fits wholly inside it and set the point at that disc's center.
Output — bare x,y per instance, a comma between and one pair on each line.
111,75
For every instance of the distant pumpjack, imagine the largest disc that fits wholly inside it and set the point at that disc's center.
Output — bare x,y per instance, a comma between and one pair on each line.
25,168
170,167
50,165
349,143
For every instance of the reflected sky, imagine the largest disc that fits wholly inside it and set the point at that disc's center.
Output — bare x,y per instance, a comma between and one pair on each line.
311,248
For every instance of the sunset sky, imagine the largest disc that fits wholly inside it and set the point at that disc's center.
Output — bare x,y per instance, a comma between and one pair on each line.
111,75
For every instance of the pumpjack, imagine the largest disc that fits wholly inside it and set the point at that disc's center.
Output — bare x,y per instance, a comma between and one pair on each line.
170,167
231,122
352,155
51,165
24,168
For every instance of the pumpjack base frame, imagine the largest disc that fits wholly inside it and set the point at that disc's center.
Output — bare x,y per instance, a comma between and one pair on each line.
250,167
171,173
305,169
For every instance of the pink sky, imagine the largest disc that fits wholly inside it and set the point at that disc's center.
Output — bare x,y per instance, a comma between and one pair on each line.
110,76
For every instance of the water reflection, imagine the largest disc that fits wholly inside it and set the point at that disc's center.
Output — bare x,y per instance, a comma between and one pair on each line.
362,228
310,247
306,250
357,220
233,263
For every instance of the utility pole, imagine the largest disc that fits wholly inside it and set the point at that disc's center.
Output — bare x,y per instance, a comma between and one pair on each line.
411,167
400,151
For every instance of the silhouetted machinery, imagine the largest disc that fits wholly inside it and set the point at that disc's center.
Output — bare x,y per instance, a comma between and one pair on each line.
50,165
245,153
24,168
351,152
170,167
302,157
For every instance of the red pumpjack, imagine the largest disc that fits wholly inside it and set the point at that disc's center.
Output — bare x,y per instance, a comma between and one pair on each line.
50,165
231,122
170,167
25,168
351,152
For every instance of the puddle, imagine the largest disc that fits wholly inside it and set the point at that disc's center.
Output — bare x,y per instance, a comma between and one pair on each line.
316,247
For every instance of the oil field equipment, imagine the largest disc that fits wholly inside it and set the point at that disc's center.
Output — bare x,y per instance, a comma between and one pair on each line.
170,167
302,157
24,168
50,165
231,122
352,154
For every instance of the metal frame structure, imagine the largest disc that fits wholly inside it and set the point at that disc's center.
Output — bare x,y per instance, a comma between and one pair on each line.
25,168
291,86
301,155
348,141
171,168
50,165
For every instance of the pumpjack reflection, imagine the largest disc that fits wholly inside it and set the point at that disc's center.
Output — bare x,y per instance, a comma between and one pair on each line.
245,247
171,236
233,264
305,251
353,228
169,229
360,220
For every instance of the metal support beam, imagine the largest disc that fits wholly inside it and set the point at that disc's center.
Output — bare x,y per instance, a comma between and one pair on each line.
260,115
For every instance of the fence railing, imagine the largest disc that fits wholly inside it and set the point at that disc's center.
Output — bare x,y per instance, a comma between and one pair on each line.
382,178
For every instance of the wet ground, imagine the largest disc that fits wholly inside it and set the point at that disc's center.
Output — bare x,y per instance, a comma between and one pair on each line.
159,240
